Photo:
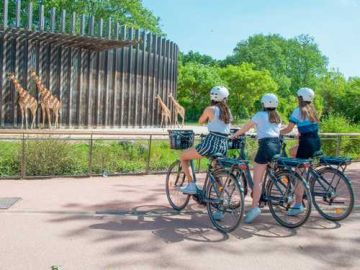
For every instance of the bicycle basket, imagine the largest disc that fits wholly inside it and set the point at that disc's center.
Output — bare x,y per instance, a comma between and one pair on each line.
236,143
181,139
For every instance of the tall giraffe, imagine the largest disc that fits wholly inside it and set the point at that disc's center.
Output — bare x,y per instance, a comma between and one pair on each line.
48,102
179,110
165,112
26,102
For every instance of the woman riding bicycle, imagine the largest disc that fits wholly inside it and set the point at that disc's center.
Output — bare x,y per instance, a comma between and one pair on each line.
267,123
218,118
305,118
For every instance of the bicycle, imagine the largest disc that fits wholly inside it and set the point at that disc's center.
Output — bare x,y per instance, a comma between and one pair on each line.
220,192
279,185
331,190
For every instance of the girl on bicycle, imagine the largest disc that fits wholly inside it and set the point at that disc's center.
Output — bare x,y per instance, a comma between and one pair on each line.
267,123
306,120
218,117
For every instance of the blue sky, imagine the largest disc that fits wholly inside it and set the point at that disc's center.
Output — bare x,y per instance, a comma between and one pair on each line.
214,27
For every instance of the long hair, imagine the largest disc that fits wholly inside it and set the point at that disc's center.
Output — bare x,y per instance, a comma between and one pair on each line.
225,114
307,110
274,117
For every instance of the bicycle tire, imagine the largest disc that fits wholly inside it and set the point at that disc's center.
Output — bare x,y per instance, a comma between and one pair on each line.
339,213
282,216
172,186
224,204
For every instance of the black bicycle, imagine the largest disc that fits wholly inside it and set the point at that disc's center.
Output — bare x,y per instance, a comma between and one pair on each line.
221,192
279,185
331,189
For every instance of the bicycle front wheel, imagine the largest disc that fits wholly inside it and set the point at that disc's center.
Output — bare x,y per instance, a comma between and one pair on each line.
225,201
175,179
332,194
282,192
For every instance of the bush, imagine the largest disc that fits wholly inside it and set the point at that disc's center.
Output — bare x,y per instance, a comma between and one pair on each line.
9,158
335,123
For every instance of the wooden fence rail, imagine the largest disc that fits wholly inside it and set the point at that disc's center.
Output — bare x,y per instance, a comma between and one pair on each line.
105,74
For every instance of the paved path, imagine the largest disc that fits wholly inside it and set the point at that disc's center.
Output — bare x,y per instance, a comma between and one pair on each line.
125,223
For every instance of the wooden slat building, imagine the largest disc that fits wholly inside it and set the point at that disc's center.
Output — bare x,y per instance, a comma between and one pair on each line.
105,74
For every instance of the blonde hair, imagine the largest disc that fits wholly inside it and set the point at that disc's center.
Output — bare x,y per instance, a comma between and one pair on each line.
274,117
307,110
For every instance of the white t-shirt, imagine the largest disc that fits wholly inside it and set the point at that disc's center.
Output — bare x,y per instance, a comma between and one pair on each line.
265,129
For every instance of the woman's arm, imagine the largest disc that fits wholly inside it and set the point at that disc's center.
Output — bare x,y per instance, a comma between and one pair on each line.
244,129
288,129
208,114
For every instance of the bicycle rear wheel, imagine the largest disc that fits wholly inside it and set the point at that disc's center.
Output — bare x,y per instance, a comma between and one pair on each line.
175,179
225,201
332,194
281,197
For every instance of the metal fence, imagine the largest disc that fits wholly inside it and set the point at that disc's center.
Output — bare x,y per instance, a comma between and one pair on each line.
98,86
36,154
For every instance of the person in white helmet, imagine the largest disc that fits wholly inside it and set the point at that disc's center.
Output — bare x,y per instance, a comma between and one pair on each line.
306,120
218,118
267,123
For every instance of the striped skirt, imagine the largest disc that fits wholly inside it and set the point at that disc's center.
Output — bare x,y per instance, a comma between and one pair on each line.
212,144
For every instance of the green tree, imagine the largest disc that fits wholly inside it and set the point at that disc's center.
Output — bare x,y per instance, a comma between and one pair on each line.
194,83
131,13
246,86
292,63
196,57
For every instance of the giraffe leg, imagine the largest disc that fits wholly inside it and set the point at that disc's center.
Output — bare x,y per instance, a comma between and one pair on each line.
22,118
33,113
56,118
26,118
43,115
48,116
162,118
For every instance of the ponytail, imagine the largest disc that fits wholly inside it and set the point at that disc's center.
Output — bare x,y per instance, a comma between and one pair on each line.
274,117
225,114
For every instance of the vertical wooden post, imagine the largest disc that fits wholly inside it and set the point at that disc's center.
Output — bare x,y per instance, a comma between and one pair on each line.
41,18
30,15
73,23
82,25
142,97
53,19
63,21
130,85
154,104
123,64
5,13
136,71
18,13
115,81
149,102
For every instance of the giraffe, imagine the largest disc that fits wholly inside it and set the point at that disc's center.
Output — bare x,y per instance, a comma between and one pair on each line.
179,110
48,101
26,102
165,112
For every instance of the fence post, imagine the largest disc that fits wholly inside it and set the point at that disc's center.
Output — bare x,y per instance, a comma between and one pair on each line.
23,160
149,156
90,155
5,13
18,12
337,145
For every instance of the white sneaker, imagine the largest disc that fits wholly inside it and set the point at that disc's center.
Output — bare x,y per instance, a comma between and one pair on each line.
218,215
190,188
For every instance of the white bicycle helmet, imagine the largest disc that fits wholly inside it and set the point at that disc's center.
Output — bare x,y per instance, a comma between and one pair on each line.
269,101
219,93
307,94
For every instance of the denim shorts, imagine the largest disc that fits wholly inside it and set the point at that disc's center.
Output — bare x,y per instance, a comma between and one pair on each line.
309,143
268,148
212,144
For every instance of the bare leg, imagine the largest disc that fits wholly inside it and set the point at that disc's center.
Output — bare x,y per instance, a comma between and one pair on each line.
293,150
259,171
185,157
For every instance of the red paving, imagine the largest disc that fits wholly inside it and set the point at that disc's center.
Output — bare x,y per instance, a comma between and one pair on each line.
126,223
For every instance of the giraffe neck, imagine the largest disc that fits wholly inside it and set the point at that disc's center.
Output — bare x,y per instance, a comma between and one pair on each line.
174,101
18,88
